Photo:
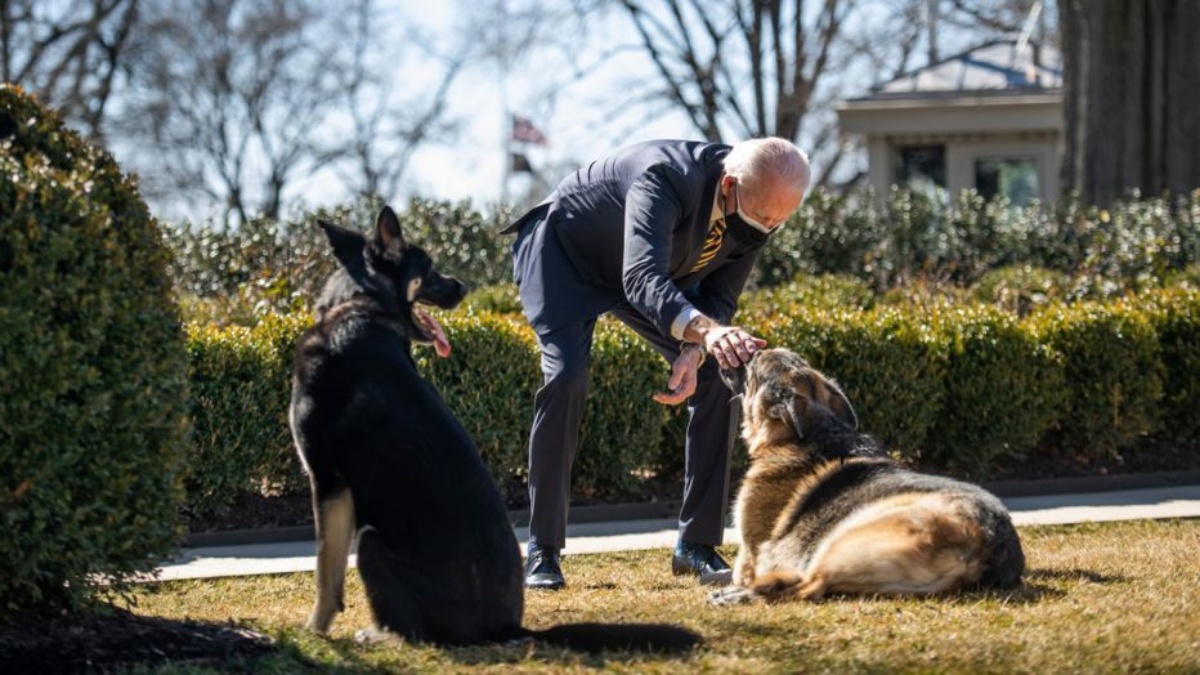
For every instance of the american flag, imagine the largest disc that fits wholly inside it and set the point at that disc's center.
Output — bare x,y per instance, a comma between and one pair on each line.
523,131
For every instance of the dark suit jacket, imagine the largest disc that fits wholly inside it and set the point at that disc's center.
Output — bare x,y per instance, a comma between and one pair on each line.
630,228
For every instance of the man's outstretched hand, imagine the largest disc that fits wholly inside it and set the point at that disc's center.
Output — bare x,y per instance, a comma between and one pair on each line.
731,346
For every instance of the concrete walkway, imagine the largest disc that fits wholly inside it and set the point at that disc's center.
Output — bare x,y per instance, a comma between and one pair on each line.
297,556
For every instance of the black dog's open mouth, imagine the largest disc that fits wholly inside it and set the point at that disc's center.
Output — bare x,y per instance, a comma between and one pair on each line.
432,330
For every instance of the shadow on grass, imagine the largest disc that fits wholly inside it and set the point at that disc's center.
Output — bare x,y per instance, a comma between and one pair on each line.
108,637
1077,575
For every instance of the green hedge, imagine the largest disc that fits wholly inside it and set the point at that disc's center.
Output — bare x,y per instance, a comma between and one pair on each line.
1113,369
1174,316
93,370
1003,390
241,385
965,389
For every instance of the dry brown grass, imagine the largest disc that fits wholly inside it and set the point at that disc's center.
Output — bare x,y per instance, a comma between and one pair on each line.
1121,598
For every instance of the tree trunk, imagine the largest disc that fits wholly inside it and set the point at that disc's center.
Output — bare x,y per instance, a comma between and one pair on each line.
1131,92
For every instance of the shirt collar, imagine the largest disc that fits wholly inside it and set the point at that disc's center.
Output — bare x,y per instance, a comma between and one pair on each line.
718,213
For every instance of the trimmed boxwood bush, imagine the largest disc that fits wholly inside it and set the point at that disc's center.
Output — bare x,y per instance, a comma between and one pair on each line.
1003,390
241,386
622,426
489,382
1113,372
1175,317
93,369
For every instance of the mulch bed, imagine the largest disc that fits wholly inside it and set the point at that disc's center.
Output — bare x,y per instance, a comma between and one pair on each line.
107,637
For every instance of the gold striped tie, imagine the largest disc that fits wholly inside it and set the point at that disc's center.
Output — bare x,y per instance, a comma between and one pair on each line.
711,245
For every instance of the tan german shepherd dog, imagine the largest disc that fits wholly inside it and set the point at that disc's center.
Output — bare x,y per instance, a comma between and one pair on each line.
823,510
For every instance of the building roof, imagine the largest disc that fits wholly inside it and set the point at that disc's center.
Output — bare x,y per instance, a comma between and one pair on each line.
995,68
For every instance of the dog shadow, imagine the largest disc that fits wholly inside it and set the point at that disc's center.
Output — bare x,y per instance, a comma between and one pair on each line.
531,652
1038,585
353,655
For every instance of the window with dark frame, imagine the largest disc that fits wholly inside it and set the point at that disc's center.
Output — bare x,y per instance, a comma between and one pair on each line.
1013,177
921,168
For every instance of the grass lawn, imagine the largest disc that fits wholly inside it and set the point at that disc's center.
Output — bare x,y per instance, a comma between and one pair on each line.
1118,597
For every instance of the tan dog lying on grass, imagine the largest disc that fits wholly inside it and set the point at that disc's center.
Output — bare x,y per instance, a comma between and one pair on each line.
823,510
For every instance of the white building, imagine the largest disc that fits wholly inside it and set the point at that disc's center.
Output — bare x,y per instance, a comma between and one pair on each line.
990,119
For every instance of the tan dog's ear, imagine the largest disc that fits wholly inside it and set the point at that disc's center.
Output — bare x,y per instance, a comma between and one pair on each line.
837,402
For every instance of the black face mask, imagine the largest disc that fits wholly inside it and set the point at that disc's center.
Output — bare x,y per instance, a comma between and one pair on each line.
738,229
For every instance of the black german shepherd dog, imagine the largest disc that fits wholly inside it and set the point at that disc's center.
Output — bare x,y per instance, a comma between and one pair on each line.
387,458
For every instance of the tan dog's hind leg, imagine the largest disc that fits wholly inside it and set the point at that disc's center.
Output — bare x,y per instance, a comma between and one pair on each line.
335,532
923,549
743,567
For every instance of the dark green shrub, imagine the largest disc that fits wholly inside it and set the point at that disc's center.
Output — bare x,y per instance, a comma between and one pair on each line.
1003,391
465,242
492,376
829,234
93,370
1113,372
826,291
1187,278
1175,317
241,386
1020,289
498,298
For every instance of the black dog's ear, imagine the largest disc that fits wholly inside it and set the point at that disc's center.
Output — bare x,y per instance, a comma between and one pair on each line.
387,230
347,244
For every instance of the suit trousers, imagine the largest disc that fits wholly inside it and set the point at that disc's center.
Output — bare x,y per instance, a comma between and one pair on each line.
558,415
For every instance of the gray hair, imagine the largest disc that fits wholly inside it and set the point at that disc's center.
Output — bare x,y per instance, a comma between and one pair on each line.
751,161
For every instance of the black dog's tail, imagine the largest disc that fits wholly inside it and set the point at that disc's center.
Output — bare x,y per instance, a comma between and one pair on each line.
639,637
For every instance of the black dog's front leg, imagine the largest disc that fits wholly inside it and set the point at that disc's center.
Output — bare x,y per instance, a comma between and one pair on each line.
335,532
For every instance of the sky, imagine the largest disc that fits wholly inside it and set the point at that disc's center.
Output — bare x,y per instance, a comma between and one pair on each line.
576,121
576,117
582,118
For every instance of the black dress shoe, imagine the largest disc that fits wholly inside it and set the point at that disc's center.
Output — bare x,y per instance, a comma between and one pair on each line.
701,560
542,570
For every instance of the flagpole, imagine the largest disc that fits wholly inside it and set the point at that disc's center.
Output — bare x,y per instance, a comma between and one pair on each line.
506,125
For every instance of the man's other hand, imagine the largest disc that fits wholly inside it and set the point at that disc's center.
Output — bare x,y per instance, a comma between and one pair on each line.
682,383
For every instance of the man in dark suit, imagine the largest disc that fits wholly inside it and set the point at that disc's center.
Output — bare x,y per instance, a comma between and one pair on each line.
663,235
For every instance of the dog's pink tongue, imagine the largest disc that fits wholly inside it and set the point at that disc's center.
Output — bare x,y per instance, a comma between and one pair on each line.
440,344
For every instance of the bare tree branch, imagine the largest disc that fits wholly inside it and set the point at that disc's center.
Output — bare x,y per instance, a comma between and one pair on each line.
68,54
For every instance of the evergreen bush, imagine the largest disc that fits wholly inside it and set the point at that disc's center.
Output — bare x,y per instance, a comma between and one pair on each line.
93,369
